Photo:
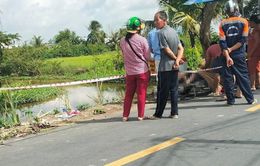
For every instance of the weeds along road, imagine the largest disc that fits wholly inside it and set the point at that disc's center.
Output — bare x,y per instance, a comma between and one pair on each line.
206,133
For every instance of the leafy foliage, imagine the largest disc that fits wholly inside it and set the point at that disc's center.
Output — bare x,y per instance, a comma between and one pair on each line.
251,8
193,18
22,61
36,41
67,35
114,38
194,58
8,116
96,35
6,40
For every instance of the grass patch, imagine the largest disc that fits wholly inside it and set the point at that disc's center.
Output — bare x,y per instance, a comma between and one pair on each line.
82,61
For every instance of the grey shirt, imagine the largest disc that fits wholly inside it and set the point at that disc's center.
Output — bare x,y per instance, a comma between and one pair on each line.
167,38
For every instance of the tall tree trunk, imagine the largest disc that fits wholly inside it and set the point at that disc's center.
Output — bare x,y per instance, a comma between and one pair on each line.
207,16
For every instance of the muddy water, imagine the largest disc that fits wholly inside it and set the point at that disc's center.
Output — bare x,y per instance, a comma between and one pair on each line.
78,95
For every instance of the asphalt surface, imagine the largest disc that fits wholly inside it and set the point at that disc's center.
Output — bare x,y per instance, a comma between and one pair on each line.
213,134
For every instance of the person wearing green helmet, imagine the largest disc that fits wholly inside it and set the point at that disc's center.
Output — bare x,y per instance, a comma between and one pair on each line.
136,53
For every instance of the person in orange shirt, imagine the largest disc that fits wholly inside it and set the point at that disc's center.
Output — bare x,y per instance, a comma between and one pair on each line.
233,33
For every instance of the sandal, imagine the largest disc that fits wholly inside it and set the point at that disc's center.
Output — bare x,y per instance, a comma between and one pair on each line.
253,89
124,119
140,119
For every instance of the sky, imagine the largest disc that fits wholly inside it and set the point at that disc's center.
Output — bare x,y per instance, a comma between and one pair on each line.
46,18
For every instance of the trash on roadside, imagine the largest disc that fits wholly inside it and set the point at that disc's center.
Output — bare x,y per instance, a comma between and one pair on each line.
74,112
66,115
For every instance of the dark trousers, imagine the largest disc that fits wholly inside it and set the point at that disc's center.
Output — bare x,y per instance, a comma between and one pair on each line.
239,69
167,82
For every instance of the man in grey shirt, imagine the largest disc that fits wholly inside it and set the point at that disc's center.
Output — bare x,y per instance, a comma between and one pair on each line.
171,53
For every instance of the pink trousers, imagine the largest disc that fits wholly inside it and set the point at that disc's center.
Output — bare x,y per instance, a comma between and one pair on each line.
136,83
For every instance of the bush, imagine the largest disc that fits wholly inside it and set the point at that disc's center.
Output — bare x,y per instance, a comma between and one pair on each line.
96,49
68,49
52,68
22,61
193,57
8,116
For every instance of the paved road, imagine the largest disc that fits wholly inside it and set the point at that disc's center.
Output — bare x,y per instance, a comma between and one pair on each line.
207,133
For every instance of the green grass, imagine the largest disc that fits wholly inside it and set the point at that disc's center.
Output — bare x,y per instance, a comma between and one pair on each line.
72,69
86,67
83,61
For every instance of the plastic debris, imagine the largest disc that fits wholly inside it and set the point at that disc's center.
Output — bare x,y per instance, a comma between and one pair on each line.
66,115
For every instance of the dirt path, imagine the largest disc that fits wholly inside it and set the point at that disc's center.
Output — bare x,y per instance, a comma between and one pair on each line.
52,121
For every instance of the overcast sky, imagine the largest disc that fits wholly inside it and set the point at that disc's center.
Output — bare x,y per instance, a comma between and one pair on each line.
47,17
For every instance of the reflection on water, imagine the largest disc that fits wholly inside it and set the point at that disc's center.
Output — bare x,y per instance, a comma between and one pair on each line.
78,95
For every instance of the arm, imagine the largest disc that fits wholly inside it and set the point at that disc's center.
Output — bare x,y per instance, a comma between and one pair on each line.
169,52
234,47
147,50
180,53
243,38
256,44
149,39
224,47
229,60
179,56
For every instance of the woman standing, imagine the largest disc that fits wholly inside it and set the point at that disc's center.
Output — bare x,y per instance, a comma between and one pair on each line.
254,51
136,53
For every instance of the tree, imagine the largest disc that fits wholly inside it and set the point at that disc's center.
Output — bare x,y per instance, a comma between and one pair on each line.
36,41
194,17
67,35
251,7
6,40
114,38
96,35
207,14
188,24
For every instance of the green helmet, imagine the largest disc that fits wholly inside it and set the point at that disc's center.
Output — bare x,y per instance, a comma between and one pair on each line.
134,24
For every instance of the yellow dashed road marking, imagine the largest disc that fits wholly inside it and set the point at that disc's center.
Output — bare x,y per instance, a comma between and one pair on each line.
146,152
254,108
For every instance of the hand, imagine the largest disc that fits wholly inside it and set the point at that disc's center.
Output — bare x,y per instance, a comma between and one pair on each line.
181,61
176,65
229,50
230,61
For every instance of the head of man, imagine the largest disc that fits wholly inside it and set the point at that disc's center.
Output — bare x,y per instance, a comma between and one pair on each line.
160,19
231,8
